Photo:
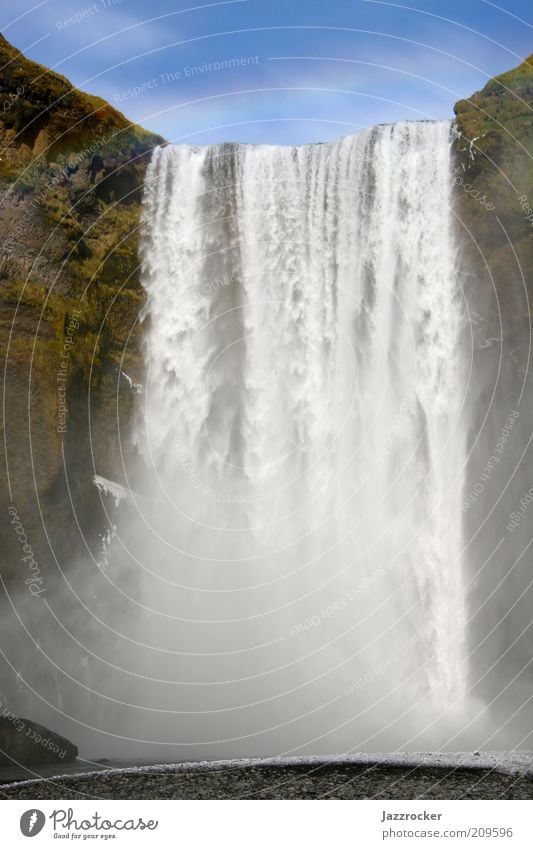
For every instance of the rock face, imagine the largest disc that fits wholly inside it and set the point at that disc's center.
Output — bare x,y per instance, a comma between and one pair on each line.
71,174
29,744
494,201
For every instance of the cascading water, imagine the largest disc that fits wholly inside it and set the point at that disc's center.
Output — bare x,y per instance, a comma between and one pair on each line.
300,540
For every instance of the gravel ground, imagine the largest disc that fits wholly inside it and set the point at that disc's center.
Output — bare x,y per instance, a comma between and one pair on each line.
290,781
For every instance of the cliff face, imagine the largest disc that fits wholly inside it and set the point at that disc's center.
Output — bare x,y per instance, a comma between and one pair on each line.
494,206
494,197
71,174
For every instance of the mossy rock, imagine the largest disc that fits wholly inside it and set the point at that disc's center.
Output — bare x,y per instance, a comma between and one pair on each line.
71,178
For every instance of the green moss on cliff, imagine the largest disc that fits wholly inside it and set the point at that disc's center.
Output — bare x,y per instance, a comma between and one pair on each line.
497,121
494,153
71,175
55,120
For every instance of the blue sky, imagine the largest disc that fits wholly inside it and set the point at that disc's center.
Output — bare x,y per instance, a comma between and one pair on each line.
273,71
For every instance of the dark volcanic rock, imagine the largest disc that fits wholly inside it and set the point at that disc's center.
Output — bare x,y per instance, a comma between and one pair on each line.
30,744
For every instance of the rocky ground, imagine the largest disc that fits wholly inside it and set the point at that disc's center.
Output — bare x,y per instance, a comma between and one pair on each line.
312,779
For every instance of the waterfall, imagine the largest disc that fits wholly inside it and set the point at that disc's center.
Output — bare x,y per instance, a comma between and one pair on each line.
301,543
